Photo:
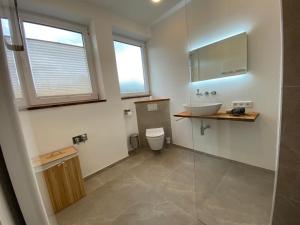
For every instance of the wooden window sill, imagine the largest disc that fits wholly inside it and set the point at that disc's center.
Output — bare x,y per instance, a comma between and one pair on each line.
131,97
63,104
152,100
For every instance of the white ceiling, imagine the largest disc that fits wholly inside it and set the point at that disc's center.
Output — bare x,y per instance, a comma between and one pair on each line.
141,11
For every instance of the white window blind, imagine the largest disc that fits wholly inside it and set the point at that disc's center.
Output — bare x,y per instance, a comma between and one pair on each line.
58,69
13,72
58,61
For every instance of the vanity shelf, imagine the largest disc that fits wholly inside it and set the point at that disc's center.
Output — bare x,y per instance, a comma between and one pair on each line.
248,117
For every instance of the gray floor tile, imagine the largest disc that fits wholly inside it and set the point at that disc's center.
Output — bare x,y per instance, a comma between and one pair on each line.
244,196
176,187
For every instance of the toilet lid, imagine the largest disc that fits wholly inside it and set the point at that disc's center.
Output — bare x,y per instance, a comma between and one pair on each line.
155,132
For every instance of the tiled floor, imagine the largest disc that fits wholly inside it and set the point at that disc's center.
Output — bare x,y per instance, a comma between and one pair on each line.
163,189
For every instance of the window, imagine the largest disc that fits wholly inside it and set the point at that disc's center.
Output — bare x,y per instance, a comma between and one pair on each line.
56,66
131,65
58,61
12,67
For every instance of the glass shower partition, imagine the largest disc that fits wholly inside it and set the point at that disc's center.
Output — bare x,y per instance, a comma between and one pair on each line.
233,180
28,184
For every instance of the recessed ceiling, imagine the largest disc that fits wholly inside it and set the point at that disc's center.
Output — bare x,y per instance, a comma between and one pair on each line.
144,12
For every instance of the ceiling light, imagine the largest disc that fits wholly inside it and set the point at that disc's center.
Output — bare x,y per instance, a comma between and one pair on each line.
156,1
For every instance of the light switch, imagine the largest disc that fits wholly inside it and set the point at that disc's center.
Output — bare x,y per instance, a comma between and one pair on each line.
151,107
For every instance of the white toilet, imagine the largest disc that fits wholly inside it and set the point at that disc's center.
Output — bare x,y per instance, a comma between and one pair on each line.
155,138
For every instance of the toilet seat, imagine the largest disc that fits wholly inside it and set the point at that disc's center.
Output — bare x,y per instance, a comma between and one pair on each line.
155,132
158,137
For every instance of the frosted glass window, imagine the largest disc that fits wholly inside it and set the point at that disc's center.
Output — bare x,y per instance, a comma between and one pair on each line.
12,67
129,60
58,61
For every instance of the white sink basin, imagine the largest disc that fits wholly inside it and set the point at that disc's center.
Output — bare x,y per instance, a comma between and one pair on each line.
203,109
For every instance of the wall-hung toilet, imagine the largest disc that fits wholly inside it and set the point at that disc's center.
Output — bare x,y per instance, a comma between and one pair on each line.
155,138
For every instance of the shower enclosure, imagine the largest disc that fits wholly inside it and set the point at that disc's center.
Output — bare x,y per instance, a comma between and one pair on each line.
11,103
235,158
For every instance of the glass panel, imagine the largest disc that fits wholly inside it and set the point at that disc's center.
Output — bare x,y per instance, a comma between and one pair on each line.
130,68
5,27
235,160
58,61
6,12
13,71
52,34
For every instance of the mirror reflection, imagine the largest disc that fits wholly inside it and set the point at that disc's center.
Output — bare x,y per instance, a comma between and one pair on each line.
227,57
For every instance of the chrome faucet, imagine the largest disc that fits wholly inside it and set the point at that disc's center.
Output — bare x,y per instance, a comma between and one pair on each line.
206,93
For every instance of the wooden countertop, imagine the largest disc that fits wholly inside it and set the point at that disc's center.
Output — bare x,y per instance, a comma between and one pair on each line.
152,100
53,156
248,117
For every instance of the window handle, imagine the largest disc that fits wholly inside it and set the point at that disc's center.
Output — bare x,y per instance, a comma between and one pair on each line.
15,48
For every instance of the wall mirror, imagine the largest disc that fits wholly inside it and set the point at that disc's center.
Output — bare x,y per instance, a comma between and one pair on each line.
224,58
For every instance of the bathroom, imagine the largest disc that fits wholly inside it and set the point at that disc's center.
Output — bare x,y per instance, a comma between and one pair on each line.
137,112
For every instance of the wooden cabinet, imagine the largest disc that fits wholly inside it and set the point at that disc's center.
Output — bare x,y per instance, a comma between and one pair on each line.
64,183
63,177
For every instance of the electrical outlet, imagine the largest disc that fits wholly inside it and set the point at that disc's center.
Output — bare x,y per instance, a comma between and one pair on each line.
79,139
245,104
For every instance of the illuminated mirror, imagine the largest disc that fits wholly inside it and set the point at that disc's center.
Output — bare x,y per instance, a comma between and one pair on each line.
224,58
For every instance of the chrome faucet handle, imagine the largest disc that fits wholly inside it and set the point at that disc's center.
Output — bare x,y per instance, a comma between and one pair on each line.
213,93
206,93
199,93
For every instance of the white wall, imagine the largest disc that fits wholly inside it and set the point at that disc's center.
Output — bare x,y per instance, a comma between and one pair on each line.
51,129
207,22
169,71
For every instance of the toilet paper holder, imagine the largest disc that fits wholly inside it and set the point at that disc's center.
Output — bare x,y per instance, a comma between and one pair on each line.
127,112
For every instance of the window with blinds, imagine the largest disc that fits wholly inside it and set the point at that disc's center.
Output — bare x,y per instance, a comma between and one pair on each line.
13,72
58,61
56,66
12,67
